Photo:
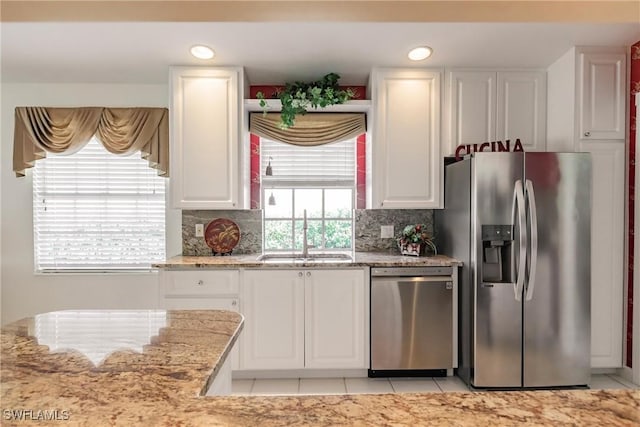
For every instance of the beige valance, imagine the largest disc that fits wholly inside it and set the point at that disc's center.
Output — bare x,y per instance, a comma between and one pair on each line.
310,129
39,130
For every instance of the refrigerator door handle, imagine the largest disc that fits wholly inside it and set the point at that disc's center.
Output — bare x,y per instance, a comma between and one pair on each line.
531,197
518,202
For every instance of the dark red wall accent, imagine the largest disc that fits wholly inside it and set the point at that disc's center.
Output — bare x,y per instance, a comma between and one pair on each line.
635,88
361,167
255,172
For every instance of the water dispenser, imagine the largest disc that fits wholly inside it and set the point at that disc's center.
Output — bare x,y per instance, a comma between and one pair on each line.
497,254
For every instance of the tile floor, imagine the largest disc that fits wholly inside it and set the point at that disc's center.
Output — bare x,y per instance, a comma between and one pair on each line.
380,385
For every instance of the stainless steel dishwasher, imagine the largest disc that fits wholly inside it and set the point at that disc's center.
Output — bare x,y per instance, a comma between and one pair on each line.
411,321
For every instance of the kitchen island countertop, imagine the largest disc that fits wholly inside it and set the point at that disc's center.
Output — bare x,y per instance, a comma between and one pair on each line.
361,259
163,383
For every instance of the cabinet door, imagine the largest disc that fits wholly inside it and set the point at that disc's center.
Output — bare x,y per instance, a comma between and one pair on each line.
335,319
407,165
521,108
273,308
607,252
472,107
602,96
205,105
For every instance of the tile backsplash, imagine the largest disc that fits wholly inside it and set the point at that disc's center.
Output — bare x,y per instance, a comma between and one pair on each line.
249,222
368,222
367,228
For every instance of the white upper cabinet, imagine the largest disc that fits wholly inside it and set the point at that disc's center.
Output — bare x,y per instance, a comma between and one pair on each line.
472,107
488,105
407,164
522,108
602,93
205,129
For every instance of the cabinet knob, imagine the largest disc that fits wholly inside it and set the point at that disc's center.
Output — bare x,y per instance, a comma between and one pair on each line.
308,274
234,303
587,133
200,282
300,274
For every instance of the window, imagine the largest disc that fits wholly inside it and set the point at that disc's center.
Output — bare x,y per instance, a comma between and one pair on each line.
93,210
320,180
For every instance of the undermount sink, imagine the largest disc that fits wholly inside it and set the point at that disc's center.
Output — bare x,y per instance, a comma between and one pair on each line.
299,258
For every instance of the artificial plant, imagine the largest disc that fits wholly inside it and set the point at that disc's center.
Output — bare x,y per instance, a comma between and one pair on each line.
298,96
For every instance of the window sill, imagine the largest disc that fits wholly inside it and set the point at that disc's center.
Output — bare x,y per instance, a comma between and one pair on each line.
96,272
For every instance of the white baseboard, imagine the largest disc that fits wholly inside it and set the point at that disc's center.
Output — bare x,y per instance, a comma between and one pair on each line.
603,371
305,373
626,373
301,373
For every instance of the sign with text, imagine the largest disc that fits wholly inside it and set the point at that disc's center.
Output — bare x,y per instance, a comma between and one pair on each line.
495,146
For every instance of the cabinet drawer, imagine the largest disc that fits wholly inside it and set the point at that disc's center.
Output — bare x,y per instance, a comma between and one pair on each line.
219,282
230,304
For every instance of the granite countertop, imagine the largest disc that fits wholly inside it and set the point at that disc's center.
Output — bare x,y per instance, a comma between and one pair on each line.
362,259
76,359
162,383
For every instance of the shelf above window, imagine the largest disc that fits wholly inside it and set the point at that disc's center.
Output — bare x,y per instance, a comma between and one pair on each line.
359,106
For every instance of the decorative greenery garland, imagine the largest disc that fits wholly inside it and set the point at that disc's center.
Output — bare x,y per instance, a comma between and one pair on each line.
298,96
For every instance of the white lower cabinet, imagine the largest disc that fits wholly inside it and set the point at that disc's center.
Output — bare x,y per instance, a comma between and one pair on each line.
273,302
334,319
208,303
202,290
607,252
298,319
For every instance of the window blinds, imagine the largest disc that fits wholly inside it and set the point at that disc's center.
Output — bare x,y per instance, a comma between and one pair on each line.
94,210
335,162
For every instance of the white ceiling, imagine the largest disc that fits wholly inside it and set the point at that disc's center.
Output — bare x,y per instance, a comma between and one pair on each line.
275,52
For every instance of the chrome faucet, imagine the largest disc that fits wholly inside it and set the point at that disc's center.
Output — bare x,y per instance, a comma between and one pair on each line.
305,243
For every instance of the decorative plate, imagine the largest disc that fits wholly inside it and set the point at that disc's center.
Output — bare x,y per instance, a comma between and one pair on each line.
222,235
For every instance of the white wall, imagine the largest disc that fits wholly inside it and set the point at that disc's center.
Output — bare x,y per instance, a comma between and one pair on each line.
24,293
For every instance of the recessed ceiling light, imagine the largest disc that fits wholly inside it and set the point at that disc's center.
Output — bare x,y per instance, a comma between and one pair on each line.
420,53
202,51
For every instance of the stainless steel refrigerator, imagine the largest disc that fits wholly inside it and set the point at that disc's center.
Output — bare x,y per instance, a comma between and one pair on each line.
521,224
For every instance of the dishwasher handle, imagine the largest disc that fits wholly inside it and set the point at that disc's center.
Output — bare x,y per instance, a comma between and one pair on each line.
409,280
411,272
